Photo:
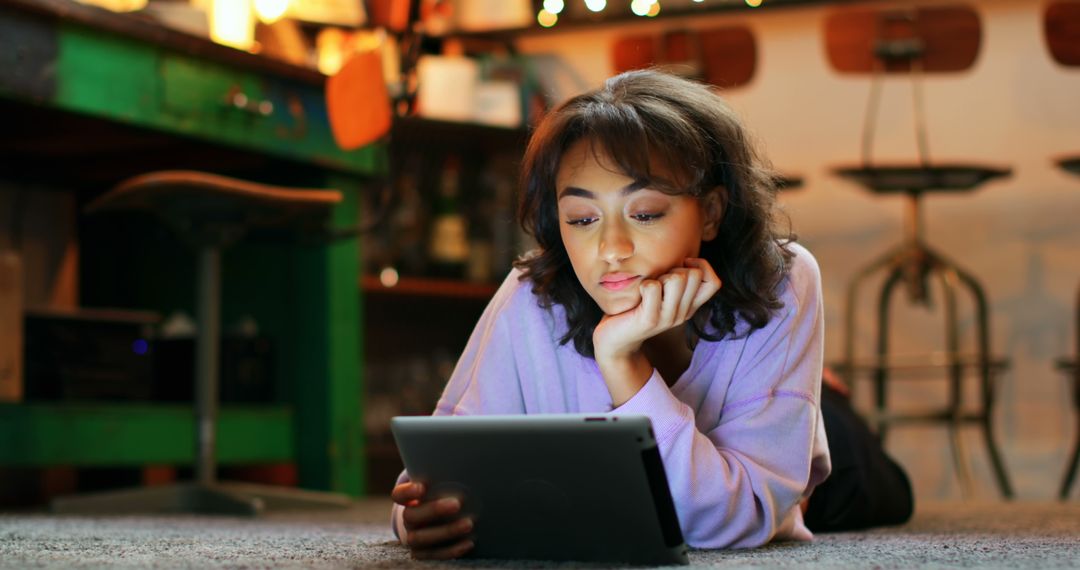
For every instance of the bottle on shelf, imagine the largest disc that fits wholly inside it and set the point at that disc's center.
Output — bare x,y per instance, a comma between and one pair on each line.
503,225
409,222
398,247
481,212
448,245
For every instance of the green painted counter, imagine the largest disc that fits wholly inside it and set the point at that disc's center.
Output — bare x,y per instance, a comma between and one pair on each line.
62,60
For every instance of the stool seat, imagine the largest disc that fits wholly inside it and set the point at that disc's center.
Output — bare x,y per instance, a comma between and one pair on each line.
789,182
1070,164
917,179
201,205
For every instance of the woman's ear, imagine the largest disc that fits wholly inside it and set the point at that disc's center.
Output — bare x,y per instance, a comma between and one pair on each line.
713,204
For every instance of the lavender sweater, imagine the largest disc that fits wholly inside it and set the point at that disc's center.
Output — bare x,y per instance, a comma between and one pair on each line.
740,432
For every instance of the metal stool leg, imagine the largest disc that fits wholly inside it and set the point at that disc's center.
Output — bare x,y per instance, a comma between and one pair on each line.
881,371
955,409
986,381
1070,475
206,360
913,262
852,297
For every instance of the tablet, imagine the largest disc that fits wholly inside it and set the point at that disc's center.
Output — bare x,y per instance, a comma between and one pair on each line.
550,487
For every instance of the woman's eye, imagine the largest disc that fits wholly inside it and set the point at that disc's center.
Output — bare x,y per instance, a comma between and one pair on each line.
580,221
648,216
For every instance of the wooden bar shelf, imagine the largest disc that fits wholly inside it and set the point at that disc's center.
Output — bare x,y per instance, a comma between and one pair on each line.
423,287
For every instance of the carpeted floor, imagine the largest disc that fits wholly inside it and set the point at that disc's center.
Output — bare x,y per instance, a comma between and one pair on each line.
998,535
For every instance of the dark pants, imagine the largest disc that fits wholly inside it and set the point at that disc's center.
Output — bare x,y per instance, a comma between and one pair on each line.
866,487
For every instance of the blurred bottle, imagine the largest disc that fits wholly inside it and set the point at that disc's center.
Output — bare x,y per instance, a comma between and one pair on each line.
436,16
377,247
503,225
448,246
410,221
481,217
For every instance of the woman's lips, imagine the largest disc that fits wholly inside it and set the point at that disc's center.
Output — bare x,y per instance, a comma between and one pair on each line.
618,282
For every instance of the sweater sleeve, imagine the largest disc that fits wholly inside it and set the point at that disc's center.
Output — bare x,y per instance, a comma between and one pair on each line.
485,380
737,481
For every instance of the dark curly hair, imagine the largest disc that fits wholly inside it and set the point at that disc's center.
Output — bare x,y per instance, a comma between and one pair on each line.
646,114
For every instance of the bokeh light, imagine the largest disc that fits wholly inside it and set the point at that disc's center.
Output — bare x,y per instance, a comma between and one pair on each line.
270,11
596,5
388,277
554,6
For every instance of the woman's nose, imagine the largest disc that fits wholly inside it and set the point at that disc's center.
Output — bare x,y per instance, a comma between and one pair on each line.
615,244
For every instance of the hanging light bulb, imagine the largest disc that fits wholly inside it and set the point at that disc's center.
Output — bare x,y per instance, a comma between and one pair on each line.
641,7
596,5
654,10
270,11
554,6
232,23
753,3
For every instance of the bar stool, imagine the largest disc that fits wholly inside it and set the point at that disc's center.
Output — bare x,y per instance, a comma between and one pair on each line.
210,213
1071,366
912,263
909,41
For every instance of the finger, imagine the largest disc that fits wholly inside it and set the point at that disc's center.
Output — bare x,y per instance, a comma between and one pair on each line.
650,302
445,553
407,493
433,536
692,279
708,274
686,303
674,284
428,513
710,282
705,292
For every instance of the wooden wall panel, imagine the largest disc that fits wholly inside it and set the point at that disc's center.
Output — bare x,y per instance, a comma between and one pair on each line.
949,38
725,56
729,56
1062,26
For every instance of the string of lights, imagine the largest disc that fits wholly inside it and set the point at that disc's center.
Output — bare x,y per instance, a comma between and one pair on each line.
548,15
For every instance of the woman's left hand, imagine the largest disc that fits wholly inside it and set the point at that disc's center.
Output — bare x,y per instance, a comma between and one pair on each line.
666,302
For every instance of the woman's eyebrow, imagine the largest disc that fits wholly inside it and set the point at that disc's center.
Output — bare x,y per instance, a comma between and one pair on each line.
583,193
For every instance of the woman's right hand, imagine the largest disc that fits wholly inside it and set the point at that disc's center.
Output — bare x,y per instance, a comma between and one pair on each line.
667,302
434,530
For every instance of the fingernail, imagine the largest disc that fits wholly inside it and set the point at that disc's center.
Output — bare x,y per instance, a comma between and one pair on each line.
465,525
450,504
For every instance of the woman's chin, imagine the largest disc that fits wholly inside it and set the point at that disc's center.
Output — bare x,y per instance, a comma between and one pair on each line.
619,306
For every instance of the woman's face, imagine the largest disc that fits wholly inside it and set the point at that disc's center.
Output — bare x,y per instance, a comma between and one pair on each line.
617,232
